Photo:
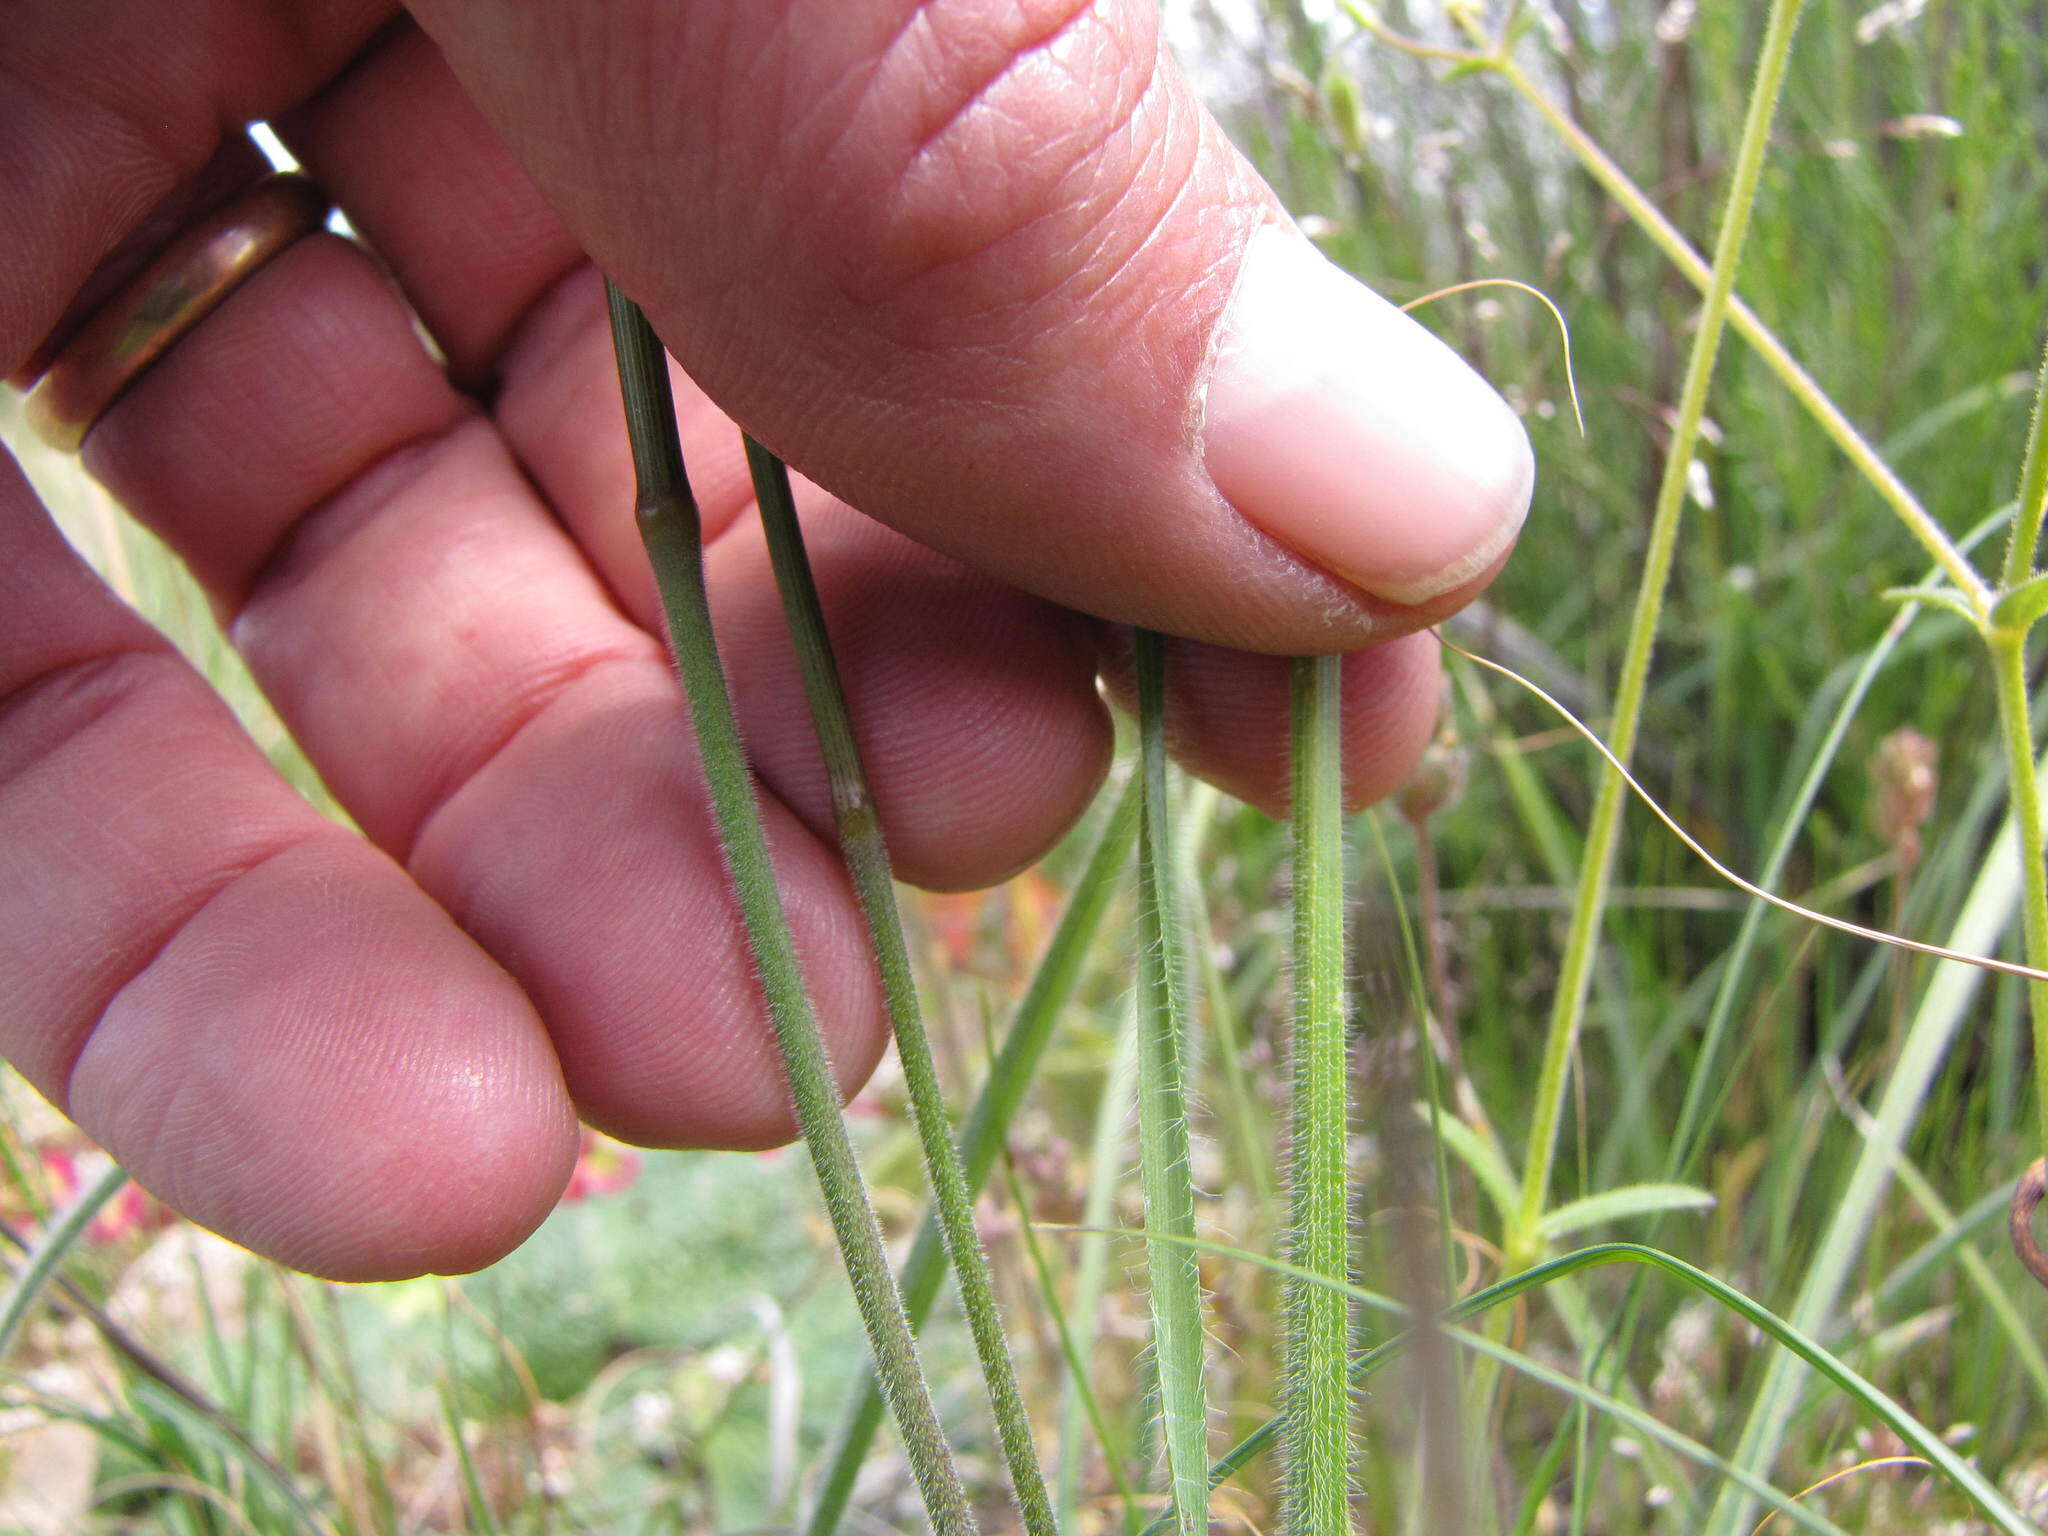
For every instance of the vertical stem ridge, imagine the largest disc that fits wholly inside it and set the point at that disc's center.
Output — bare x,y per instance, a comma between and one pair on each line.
867,858
669,525
1316,1487
1173,1269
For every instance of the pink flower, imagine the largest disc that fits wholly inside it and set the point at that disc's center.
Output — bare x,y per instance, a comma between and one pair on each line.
603,1167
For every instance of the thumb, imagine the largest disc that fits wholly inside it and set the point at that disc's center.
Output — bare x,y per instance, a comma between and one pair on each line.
988,271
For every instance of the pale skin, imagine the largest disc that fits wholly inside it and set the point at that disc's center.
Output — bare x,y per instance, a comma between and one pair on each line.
963,263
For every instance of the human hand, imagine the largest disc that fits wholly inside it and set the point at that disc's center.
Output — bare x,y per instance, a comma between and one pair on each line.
979,268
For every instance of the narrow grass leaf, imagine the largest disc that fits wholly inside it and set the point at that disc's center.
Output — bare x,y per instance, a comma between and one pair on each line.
1621,1204
1945,1002
1917,1437
47,1257
1481,1157
1173,1269
1948,598
1315,1327
1105,1172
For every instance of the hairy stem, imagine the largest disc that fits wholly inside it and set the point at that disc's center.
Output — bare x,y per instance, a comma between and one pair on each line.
1173,1269
867,858
1002,1092
2009,669
1316,1464
670,527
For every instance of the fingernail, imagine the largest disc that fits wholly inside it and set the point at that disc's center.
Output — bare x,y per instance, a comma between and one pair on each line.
1353,436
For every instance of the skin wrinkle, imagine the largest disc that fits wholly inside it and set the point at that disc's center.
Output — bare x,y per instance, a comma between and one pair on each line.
1010,53
940,213
219,882
526,709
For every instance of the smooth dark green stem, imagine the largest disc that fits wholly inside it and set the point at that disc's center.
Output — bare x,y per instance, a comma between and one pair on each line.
1015,1065
1316,1453
670,527
1173,1270
867,859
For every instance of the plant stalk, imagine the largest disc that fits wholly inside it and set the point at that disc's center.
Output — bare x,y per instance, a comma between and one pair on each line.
867,859
1173,1269
2009,670
1009,1075
1524,1237
669,525
1315,1339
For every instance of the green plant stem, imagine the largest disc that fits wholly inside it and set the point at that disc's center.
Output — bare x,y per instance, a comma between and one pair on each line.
2008,646
1002,1092
47,1257
2009,670
1746,323
867,859
670,527
1173,1269
1315,1336
1524,1237
2026,523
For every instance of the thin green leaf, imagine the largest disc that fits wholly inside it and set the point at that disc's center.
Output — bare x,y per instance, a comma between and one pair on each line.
1316,1326
1620,1204
2025,603
1172,1268
1935,597
1488,1164
48,1255
1918,1438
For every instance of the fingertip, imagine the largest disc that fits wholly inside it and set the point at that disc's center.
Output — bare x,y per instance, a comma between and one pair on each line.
1351,434
321,1067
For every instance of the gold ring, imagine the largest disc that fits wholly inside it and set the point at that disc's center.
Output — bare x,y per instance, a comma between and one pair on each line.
175,292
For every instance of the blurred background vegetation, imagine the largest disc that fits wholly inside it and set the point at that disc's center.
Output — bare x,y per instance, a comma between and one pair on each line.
672,1351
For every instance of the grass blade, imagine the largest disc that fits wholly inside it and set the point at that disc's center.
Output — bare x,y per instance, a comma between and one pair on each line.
1105,1170
1173,1269
1951,990
669,524
48,1255
1315,1337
